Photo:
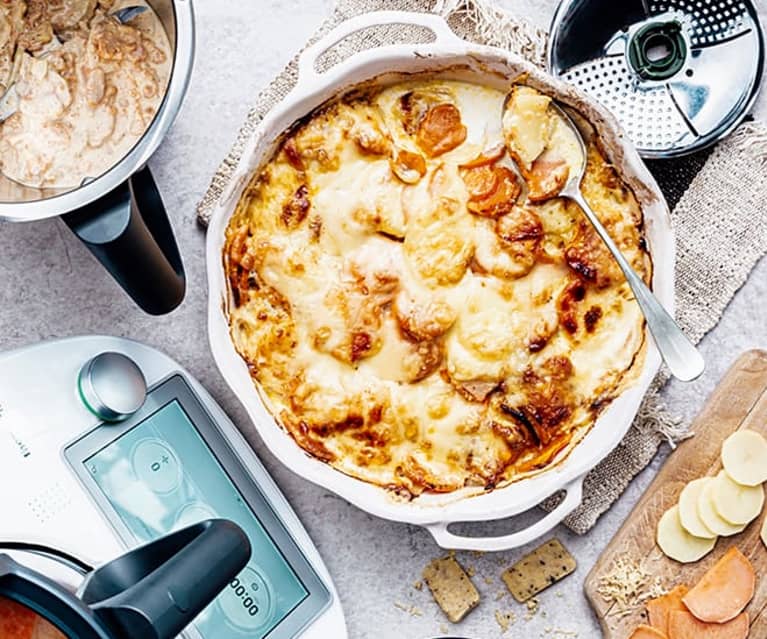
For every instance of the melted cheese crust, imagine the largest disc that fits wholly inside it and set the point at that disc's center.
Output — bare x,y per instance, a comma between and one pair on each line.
408,314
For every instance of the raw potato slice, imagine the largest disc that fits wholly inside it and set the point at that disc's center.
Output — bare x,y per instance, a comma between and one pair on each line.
744,456
683,625
676,543
735,503
688,509
647,632
710,517
724,591
659,609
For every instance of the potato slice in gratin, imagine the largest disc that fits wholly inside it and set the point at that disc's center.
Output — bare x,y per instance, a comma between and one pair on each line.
416,313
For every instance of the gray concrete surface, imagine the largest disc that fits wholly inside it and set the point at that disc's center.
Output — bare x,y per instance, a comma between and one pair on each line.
50,286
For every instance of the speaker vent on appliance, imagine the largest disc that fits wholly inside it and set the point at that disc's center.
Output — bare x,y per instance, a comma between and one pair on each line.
49,503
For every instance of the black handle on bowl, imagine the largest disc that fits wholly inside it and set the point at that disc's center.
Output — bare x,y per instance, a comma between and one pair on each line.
155,591
129,232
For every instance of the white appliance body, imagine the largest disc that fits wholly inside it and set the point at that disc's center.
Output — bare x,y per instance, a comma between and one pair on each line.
42,500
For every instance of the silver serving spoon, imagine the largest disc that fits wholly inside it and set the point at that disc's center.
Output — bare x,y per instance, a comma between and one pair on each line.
682,358
9,101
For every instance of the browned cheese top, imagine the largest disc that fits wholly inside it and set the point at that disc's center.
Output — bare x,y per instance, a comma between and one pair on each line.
417,312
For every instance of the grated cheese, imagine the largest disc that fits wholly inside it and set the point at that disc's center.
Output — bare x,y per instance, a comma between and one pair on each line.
558,632
627,586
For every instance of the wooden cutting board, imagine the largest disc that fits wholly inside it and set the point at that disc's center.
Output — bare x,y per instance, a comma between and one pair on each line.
739,401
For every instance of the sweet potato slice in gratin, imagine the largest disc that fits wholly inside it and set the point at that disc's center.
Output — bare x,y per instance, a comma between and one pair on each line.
418,312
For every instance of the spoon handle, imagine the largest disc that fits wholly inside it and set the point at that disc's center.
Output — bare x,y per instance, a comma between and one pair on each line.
682,358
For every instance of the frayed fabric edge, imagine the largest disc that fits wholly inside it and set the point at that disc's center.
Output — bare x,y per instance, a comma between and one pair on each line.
499,28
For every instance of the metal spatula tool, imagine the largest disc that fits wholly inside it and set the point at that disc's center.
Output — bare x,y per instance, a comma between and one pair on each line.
678,74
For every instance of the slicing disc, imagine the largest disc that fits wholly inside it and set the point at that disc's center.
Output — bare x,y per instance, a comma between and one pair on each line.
678,74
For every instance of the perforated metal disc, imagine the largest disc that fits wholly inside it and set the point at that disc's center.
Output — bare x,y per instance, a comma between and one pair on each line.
678,74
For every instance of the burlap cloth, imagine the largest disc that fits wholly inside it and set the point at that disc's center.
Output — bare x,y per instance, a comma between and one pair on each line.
719,202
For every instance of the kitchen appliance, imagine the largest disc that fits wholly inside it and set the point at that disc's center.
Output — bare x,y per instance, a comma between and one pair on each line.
153,592
111,444
678,74
119,215
449,57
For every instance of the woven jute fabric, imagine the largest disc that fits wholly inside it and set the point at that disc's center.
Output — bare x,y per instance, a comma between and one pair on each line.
719,201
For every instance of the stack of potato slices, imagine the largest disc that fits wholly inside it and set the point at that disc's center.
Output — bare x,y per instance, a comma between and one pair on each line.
718,506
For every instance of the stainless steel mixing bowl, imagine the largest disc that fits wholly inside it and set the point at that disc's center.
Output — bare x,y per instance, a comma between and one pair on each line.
119,214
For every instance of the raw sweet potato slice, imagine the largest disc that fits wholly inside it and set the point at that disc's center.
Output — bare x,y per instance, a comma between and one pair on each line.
659,609
684,625
647,632
657,614
724,591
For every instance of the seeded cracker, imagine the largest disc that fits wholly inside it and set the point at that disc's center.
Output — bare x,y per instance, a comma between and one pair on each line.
451,588
535,572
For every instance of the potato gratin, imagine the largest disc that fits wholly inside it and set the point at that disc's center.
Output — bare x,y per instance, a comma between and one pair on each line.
416,313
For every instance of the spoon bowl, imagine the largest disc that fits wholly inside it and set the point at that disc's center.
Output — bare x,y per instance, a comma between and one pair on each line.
573,184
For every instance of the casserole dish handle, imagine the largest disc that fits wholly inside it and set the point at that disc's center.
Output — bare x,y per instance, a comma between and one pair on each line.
448,540
307,61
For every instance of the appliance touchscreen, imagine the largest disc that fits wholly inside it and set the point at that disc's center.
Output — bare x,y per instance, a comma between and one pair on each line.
160,476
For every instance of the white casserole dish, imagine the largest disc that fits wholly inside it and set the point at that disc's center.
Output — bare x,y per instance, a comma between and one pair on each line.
448,56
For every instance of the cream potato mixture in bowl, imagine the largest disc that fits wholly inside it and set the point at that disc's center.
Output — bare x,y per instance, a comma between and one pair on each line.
88,87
